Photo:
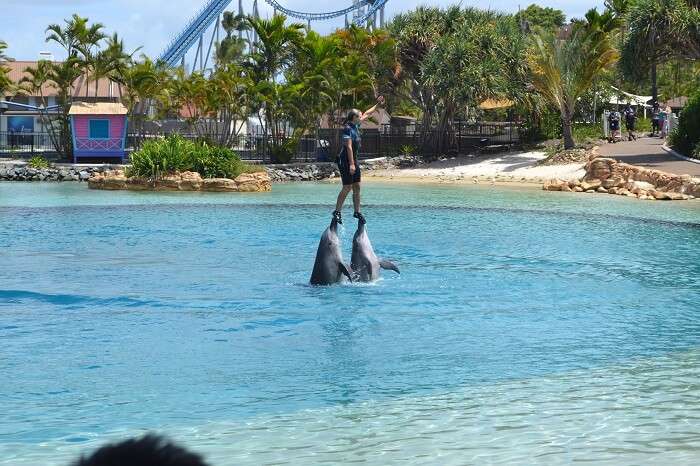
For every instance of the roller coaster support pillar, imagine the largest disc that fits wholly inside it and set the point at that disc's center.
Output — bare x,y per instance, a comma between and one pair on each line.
240,13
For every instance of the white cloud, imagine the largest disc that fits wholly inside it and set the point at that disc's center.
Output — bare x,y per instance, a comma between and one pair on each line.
152,23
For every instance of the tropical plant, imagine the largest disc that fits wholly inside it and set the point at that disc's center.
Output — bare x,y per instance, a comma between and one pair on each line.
81,41
563,69
273,52
451,60
143,90
39,162
60,76
161,157
232,47
686,136
5,82
535,17
658,31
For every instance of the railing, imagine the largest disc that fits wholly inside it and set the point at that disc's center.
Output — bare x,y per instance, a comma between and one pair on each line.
19,143
107,145
322,145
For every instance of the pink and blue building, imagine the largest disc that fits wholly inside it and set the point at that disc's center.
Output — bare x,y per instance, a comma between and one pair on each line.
99,130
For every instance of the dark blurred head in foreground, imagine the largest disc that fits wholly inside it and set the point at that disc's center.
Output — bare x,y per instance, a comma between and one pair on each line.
150,450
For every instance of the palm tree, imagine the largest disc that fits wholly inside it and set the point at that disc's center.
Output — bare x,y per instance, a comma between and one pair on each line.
563,69
89,48
5,83
110,60
69,36
232,47
61,76
3,47
273,54
275,46
141,84
79,39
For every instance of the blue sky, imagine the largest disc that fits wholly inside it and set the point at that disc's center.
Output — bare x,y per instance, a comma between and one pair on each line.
151,23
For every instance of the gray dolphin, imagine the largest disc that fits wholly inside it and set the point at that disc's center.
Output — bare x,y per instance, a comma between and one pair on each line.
329,267
364,261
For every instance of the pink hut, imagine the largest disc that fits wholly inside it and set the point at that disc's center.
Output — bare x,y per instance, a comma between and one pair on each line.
99,130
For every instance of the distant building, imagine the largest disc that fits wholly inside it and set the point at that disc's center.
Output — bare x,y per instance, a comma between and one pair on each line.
17,119
676,104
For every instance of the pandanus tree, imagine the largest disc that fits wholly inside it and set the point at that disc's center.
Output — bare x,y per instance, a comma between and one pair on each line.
469,66
452,59
562,69
657,31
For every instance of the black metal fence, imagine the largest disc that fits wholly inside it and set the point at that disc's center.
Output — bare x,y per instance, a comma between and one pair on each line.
25,143
322,145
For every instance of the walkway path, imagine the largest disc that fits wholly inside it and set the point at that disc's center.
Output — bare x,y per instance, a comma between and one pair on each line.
648,152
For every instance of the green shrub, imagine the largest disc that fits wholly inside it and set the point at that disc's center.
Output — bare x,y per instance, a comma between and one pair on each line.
407,150
584,132
686,137
283,152
38,162
174,153
215,162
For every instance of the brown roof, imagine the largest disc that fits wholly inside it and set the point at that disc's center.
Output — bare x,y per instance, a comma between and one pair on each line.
103,87
97,108
677,102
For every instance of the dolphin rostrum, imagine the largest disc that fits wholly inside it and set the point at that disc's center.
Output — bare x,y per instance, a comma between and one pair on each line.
364,261
329,267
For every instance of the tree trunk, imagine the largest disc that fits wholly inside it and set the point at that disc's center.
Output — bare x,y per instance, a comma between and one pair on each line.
654,83
566,131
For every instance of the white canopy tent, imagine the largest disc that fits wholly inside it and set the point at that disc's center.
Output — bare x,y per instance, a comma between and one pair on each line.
623,98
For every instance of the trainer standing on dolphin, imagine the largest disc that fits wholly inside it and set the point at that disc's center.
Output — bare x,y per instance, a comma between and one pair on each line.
348,161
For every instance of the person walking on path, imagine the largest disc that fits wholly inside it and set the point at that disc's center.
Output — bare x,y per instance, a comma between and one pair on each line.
655,115
630,122
665,121
348,162
614,125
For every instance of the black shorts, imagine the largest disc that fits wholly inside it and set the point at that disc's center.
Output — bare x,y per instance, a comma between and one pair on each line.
344,168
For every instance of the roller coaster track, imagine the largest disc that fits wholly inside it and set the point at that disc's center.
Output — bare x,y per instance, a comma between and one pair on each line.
316,16
210,12
179,46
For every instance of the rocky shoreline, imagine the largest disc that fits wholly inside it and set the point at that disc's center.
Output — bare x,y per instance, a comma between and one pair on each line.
608,176
115,180
294,172
23,172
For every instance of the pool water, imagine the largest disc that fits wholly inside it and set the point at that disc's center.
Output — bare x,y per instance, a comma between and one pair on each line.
526,327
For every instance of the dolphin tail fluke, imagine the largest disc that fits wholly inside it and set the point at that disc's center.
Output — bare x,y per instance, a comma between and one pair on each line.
388,265
347,271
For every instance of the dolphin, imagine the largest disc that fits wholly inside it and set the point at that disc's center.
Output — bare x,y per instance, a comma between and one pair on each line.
329,267
364,261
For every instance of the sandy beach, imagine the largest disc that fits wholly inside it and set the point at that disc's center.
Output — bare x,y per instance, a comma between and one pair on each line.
511,167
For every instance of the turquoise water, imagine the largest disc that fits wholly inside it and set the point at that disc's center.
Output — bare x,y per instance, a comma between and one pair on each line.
526,327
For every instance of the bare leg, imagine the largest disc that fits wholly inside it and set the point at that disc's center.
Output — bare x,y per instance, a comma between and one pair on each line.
341,197
356,196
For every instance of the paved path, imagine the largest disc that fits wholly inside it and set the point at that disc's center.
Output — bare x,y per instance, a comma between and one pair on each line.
648,152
